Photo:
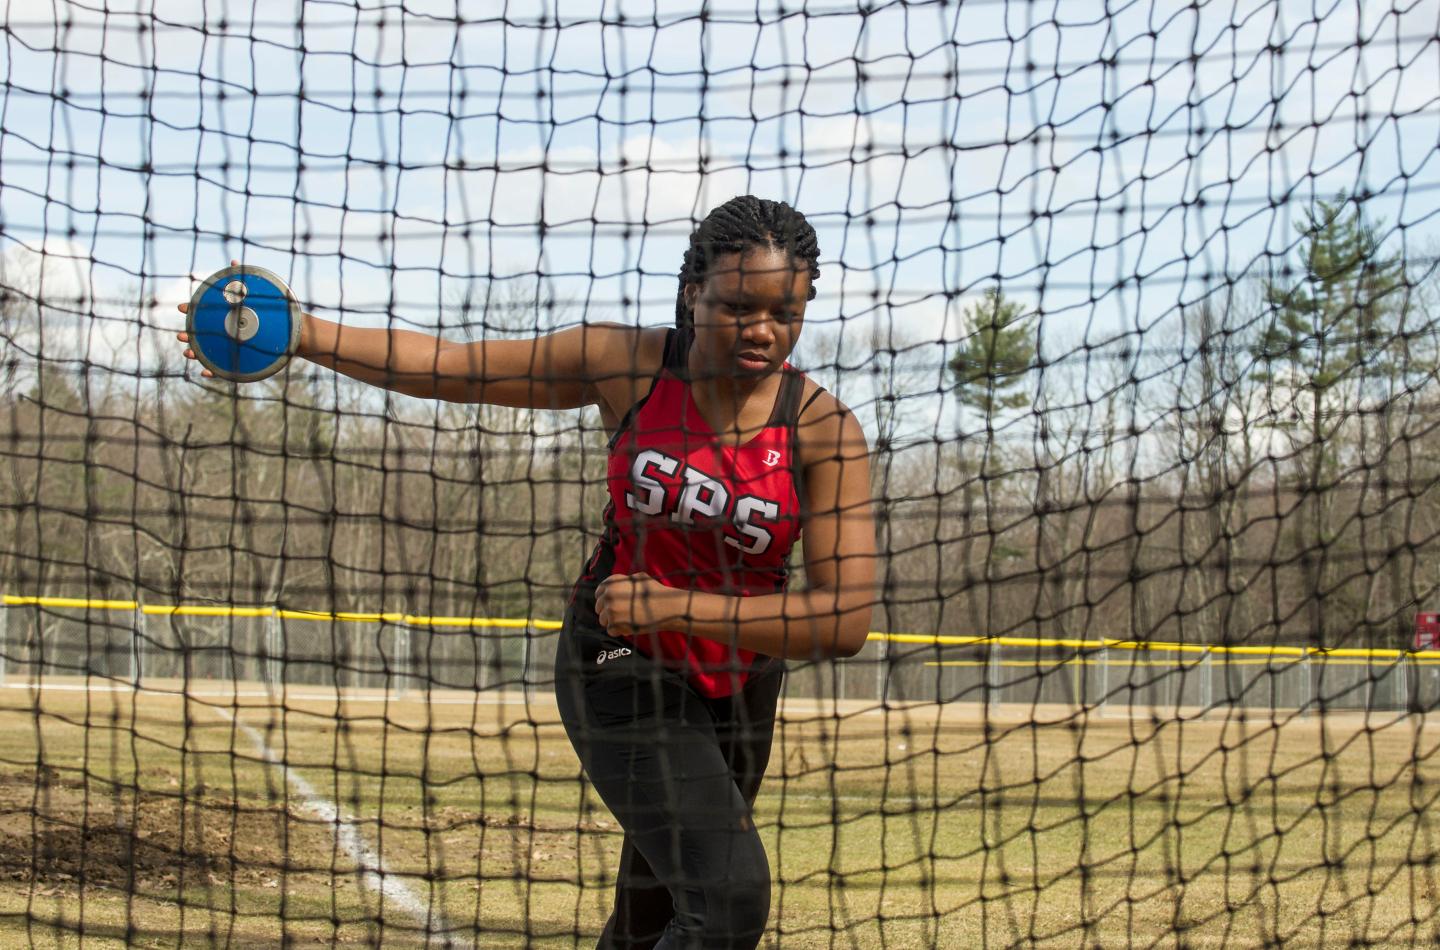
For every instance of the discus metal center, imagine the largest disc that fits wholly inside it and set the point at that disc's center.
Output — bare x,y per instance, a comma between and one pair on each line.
241,322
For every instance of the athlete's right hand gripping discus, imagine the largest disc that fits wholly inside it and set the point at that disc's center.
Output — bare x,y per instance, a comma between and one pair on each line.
244,323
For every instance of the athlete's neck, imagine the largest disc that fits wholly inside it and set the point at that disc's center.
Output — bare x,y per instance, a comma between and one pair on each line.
738,404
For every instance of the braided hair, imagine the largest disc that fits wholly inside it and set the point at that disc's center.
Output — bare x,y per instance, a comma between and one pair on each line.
738,225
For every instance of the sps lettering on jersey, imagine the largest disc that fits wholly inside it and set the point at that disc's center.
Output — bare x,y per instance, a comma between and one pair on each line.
697,498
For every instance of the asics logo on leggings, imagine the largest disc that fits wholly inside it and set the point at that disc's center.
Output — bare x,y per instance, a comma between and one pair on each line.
614,654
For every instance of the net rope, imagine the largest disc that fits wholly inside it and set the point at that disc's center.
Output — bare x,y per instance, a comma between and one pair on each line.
1135,305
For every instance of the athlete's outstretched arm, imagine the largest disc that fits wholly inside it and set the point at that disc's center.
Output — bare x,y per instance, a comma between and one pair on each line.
831,617
553,371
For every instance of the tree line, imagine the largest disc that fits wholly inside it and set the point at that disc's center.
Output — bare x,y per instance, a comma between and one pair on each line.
1255,466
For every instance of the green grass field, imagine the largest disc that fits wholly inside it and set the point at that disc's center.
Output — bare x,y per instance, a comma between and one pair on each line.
157,820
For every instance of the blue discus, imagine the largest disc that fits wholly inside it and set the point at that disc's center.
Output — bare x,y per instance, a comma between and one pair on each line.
244,323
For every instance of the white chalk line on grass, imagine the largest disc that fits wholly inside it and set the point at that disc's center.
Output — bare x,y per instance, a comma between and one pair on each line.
374,875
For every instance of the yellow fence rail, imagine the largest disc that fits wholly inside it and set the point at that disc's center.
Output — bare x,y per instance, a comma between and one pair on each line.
202,610
513,623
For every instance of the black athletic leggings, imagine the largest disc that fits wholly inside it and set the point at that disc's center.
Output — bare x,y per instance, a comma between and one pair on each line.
679,772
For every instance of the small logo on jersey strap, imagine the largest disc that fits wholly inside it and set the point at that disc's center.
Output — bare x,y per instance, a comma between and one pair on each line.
772,457
614,654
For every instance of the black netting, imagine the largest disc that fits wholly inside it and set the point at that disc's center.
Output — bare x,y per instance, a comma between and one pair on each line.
1136,307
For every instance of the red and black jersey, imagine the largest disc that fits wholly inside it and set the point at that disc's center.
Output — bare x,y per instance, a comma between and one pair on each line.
698,514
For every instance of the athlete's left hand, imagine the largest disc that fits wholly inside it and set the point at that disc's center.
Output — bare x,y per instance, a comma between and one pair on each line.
628,604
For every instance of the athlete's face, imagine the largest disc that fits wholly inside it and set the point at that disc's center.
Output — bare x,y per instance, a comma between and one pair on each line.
748,311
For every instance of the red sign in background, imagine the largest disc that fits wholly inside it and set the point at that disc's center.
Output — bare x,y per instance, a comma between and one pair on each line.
1427,631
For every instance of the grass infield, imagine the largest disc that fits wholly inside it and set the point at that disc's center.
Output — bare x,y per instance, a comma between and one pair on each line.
160,819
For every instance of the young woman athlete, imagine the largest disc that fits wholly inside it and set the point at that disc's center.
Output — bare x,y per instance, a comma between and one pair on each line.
722,456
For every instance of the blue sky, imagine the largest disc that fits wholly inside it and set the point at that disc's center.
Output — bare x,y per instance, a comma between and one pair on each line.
937,147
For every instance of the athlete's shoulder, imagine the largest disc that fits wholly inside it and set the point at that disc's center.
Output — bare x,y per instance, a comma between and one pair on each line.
622,363
616,345
825,428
